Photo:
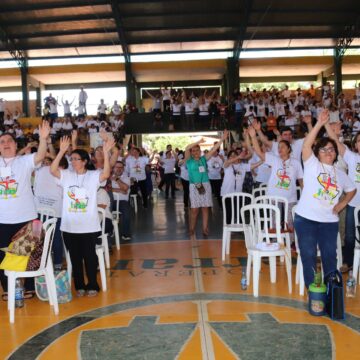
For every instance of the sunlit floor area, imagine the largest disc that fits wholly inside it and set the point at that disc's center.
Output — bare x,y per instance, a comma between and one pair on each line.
171,297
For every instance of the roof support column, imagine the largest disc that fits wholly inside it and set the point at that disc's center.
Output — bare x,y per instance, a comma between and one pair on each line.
130,85
25,88
337,71
232,76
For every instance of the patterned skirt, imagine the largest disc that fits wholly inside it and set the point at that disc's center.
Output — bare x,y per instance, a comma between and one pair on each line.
200,200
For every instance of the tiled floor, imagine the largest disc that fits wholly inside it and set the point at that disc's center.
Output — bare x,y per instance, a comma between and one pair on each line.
171,297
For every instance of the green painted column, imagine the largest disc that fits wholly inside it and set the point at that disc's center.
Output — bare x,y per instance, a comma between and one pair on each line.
130,84
25,89
232,75
337,71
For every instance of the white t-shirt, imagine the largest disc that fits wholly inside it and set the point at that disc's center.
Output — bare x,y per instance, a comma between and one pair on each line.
136,167
323,186
16,197
79,210
352,160
169,165
102,108
296,148
262,172
184,172
67,126
119,195
47,192
234,176
215,164
282,181
116,109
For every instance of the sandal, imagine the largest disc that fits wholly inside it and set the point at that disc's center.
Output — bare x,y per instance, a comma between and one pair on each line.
29,294
80,293
4,296
92,293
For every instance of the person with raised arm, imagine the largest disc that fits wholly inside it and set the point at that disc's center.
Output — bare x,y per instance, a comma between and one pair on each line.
80,222
17,206
285,172
352,160
316,219
200,189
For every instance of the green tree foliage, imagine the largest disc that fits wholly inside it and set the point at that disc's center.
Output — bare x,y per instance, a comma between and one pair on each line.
159,142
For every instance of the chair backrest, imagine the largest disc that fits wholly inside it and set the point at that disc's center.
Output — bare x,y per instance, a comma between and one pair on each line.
357,223
279,201
263,185
45,213
261,191
49,228
295,235
237,201
257,217
117,201
102,214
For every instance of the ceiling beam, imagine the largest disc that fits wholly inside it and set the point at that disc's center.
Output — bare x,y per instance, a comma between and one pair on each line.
49,5
56,19
8,45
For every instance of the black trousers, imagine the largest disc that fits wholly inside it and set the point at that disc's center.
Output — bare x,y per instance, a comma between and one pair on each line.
82,250
7,231
185,185
169,183
216,189
142,186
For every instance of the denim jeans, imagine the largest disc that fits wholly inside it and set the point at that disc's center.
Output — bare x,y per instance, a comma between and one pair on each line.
312,234
124,208
349,236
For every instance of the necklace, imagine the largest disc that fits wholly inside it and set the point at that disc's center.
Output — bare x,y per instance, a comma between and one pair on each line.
6,163
83,179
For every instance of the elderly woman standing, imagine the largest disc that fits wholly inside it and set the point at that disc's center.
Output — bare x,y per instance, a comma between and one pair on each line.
316,220
200,189
17,205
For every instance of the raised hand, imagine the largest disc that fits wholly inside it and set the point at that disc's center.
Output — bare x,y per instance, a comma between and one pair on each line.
276,132
225,134
251,131
256,125
323,117
103,135
74,135
64,144
44,130
108,144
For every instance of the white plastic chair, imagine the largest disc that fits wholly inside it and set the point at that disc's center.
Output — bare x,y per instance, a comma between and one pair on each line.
104,237
256,217
45,213
45,268
133,202
260,191
115,221
298,192
237,201
356,263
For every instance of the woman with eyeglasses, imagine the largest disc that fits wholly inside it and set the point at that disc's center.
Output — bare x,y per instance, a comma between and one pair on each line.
80,222
200,189
352,160
285,172
317,213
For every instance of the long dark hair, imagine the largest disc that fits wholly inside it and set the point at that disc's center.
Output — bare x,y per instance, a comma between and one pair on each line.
84,156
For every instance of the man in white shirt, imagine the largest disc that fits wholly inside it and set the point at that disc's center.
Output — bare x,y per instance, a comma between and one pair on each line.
82,100
102,110
120,183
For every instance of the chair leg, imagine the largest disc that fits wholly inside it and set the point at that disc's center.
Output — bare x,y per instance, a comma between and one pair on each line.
297,276
116,232
356,263
69,266
301,280
105,245
272,263
11,296
288,270
256,274
248,269
53,290
49,288
100,255
339,252
228,240
223,247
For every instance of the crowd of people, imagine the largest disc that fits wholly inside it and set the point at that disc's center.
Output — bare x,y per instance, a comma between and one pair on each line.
78,181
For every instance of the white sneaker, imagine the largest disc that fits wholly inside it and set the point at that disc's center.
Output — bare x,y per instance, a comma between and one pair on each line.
126,238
